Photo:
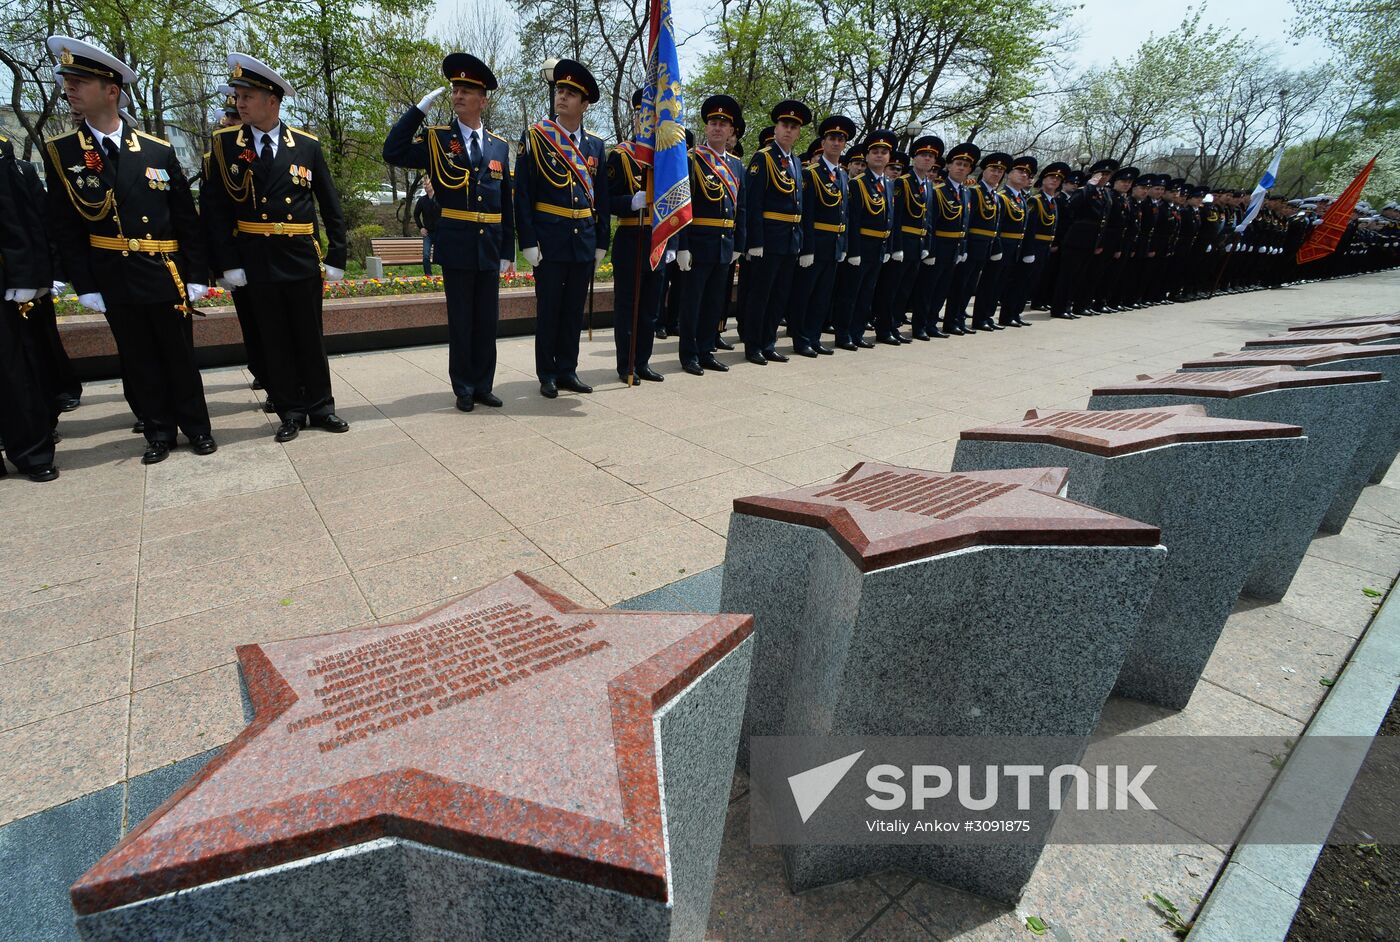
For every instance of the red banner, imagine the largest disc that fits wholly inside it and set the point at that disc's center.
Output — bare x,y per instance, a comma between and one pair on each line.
1323,240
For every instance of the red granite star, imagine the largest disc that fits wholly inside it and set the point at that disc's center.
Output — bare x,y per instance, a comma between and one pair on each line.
882,515
509,725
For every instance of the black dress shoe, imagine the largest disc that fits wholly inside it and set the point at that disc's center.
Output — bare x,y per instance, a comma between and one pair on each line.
203,445
650,375
488,399
889,339
1064,317
573,384
1020,323
269,406
957,330
43,475
723,344
865,344
710,363
1005,324
985,328
936,334
549,390
847,345
138,427
465,404
156,452
67,404
774,355
824,351
257,384
330,423
287,431
660,333
995,326
920,335
757,359
56,437
693,368
807,352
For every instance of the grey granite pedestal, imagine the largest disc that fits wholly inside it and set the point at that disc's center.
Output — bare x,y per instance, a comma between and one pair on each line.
1378,450
1207,483
508,768
901,602
1334,410
1354,333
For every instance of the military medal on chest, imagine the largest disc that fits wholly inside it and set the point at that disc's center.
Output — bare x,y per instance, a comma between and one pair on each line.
157,178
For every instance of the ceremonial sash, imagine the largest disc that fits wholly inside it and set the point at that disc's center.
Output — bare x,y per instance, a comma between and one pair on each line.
720,168
559,141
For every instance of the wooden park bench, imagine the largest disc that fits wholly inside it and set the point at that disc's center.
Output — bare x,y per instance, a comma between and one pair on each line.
392,251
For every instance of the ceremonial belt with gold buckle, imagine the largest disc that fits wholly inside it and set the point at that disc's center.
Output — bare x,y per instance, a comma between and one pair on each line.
783,217
948,233
837,227
912,230
634,221
876,233
989,233
114,244
466,215
276,228
1045,236
712,221
162,247
1013,235
563,211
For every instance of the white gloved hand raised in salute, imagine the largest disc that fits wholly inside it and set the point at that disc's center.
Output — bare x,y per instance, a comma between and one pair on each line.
431,97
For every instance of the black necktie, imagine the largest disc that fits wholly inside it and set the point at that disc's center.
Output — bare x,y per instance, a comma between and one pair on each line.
475,153
266,150
113,154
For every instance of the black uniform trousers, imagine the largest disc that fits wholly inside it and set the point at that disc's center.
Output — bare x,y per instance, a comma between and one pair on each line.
1019,279
909,269
887,313
27,413
163,385
1044,290
630,260
770,284
855,294
669,307
809,306
966,278
1071,286
561,288
59,375
252,340
704,299
288,316
989,288
473,310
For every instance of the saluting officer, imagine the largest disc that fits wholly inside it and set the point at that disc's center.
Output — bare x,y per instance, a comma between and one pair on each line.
636,287
707,248
868,244
125,222
1115,241
267,183
1018,244
983,246
824,206
1083,224
561,213
773,242
475,237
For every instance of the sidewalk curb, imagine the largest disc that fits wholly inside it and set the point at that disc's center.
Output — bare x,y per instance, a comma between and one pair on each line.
1258,892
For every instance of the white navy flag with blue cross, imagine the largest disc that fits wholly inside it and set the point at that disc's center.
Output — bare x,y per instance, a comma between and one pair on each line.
1261,189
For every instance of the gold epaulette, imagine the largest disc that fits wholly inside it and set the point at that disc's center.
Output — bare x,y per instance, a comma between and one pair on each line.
438,127
58,137
306,134
497,137
151,137
227,130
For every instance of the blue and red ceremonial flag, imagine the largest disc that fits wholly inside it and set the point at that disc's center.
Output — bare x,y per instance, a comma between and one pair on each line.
661,142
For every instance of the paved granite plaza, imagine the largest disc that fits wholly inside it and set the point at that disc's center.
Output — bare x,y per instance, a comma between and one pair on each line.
126,588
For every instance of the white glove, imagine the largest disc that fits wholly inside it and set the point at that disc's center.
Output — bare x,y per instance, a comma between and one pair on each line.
431,97
897,256
733,256
852,259
1027,259
639,199
930,260
507,266
532,256
994,258
684,260
923,253
334,274
756,253
841,258
805,261
884,257
57,288
196,292
21,295
93,302
1208,248
599,255
962,258
670,257
236,277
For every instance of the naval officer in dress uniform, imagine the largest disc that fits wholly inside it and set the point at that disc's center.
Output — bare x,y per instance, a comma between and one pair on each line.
561,215
268,179
125,223
475,238
824,206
